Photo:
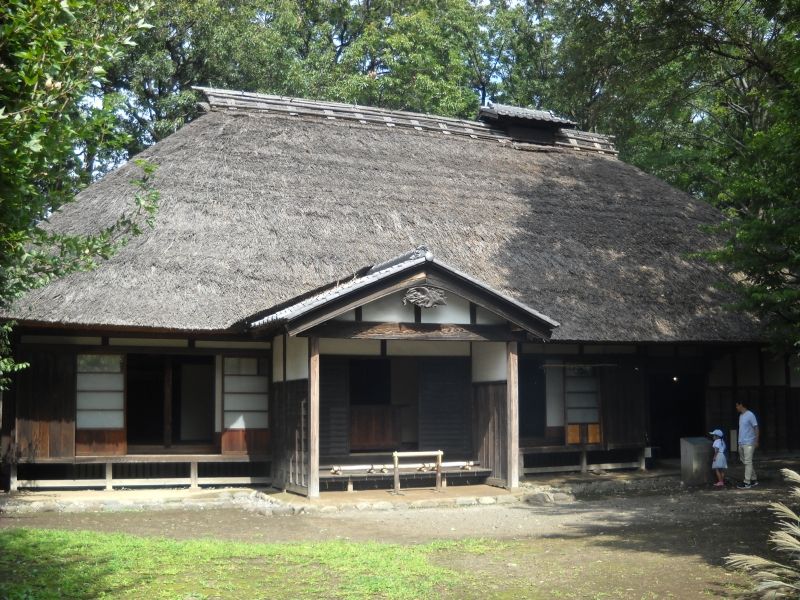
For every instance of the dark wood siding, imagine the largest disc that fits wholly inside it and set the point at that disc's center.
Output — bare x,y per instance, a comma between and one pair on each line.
45,404
623,401
444,405
245,441
334,404
289,434
489,426
100,442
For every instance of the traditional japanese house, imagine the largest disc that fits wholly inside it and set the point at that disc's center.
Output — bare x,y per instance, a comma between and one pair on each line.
327,284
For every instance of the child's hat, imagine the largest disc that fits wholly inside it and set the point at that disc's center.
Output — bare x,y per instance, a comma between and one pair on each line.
716,432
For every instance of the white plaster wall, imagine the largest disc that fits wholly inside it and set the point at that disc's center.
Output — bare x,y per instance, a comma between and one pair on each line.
277,358
554,394
148,342
233,345
426,348
297,358
455,311
489,361
350,347
350,315
487,317
389,309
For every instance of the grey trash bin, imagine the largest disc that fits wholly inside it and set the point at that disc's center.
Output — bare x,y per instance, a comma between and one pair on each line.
696,453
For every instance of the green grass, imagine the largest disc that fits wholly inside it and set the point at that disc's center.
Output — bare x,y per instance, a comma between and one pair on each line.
44,564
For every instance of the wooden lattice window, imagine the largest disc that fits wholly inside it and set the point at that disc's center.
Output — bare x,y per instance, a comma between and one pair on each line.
245,393
100,391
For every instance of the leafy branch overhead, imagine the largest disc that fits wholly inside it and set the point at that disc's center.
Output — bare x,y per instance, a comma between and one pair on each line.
58,132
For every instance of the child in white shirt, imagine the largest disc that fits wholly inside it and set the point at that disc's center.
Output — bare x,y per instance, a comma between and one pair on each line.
719,462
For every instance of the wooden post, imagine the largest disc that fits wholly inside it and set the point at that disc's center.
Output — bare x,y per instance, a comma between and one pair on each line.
193,475
13,485
109,475
396,472
642,456
512,416
313,418
584,463
439,472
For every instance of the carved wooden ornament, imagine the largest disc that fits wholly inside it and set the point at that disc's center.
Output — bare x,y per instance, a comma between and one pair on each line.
425,297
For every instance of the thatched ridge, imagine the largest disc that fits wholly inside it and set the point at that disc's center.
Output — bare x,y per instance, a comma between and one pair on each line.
260,206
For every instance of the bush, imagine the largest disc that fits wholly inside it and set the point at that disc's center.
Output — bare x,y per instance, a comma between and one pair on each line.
774,579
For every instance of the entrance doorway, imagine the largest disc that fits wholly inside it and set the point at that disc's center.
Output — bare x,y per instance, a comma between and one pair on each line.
170,402
677,409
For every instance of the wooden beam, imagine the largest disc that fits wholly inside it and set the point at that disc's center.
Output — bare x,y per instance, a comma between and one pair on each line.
313,418
417,331
512,415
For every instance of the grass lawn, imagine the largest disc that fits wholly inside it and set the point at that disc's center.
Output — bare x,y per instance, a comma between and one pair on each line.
42,564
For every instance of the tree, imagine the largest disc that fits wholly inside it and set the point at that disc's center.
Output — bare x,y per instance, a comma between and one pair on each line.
411,55
703,94
54,135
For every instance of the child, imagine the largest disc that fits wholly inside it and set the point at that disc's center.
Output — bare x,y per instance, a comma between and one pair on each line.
719,463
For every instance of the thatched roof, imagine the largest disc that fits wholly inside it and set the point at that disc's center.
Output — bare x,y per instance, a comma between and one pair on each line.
264,199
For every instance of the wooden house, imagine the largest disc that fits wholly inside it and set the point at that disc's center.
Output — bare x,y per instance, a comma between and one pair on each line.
327,284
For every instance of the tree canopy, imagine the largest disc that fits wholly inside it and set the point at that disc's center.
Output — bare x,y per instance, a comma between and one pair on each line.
701,93
56,134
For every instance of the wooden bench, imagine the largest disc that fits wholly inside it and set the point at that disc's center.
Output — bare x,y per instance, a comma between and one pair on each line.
377,469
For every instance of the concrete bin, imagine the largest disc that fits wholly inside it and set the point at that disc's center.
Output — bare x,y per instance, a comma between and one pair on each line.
696,453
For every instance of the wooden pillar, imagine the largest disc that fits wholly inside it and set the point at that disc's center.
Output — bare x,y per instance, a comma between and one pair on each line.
13,484
193,475
512,415
313,418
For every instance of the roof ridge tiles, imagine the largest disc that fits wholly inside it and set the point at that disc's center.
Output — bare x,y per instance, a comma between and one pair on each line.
220,99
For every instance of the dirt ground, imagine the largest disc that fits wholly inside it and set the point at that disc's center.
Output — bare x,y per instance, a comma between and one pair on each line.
634,546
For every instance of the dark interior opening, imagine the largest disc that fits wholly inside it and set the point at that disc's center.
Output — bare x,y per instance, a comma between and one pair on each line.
532,400
677,409
190,418
145,399
192,399
370,381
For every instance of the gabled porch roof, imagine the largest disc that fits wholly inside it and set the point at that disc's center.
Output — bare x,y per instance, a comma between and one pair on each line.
414,268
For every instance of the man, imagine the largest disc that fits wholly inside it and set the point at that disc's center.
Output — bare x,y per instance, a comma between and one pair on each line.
748,442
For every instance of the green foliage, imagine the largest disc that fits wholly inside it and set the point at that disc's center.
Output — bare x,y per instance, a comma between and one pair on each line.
59,564
773,579
410,55
56,134
703,94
